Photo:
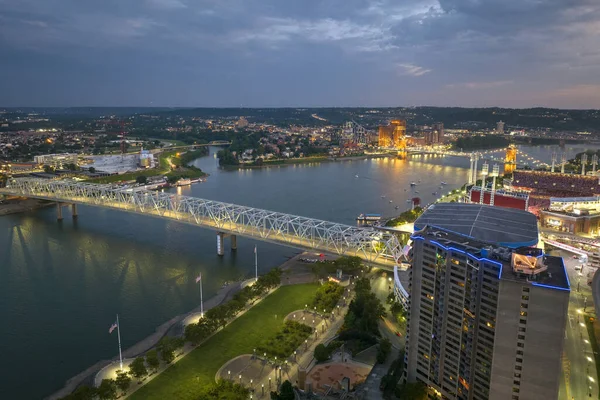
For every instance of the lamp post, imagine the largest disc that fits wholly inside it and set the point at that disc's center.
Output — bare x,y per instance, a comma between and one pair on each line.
229,375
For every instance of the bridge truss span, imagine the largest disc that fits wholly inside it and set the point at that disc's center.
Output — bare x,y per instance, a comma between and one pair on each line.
376,246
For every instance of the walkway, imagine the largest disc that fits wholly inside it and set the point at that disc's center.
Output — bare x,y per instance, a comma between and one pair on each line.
262,374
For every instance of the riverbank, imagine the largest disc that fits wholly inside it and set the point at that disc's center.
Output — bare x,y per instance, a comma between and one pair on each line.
295,273
171,327
304,160
16,206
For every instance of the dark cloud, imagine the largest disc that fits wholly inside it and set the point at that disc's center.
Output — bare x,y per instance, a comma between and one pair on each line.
310,52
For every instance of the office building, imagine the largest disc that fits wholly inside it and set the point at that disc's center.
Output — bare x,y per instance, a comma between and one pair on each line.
487,313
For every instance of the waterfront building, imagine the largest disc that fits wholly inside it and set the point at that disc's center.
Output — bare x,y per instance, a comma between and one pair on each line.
393,135
510,159
487,313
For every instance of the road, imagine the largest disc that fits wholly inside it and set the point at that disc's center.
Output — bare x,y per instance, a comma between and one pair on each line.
580,378
382,286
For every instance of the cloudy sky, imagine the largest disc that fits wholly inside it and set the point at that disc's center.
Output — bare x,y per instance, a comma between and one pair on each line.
255,53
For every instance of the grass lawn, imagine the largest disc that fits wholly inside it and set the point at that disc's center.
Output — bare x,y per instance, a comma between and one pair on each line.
184,379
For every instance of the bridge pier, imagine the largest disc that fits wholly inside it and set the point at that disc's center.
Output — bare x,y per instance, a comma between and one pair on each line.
220,244
74,210
59,215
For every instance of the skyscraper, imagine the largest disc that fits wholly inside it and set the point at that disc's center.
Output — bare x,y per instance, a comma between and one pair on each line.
392,135
487,315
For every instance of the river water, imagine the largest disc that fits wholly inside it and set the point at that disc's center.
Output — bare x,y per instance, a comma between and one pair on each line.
61,284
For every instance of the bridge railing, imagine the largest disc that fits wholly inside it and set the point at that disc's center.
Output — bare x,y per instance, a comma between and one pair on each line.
309,233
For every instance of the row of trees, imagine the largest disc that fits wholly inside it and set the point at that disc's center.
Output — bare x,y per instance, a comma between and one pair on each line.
405,217
360,329
217,317
350,265
167,348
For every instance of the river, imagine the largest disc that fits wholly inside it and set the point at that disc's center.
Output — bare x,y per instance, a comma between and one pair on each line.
61,284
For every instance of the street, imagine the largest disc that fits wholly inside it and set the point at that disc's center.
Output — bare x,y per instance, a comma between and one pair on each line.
580,378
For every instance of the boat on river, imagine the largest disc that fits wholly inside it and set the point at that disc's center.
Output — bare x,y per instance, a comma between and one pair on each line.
368,217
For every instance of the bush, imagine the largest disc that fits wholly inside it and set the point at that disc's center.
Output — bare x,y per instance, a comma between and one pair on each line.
223,389
284,342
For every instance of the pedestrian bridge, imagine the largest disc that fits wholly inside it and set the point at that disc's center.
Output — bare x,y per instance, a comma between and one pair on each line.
372,245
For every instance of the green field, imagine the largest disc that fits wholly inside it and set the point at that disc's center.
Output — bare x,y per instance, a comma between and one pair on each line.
184,379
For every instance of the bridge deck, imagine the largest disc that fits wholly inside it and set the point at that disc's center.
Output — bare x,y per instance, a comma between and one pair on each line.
372,245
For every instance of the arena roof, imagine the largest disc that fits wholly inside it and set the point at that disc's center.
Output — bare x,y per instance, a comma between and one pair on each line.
503,226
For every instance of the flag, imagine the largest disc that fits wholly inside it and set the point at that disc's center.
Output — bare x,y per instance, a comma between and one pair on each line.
112,327
198,278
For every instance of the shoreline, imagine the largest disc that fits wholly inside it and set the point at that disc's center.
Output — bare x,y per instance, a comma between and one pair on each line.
145,344
23,205
173,327
307,160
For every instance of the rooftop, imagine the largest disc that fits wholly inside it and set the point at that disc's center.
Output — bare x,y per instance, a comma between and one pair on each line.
507,227
550,273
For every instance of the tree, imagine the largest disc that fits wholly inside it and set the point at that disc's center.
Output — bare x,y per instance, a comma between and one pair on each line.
286,392
383,350
48,169
92,170
152,360
141,179
167,349
107,390
412,391
123,381
138,368
321,353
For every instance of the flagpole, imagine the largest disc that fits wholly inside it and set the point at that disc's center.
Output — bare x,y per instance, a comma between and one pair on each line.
119,336
201,302
255,264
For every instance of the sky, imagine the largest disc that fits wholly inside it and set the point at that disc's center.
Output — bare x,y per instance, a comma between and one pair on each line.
300,53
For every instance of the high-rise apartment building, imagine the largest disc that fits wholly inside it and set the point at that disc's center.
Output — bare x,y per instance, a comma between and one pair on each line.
487,314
